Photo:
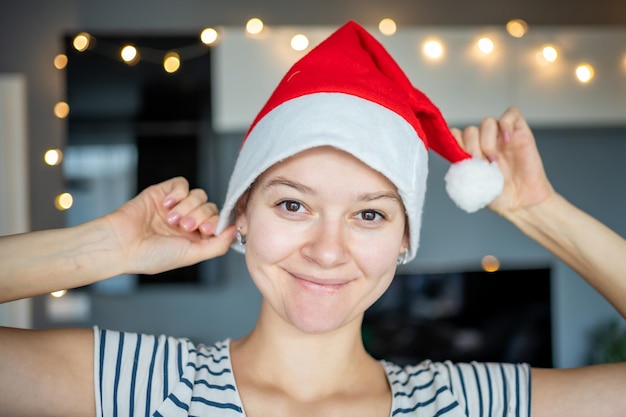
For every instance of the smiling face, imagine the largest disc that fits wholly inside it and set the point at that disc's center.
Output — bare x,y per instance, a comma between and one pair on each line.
323,235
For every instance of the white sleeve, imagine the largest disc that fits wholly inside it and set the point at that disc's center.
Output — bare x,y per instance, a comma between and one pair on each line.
490,389
134,373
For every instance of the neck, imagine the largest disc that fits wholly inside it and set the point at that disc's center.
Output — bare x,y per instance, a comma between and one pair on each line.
311,365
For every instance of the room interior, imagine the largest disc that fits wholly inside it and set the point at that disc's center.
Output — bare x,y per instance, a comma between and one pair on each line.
580,127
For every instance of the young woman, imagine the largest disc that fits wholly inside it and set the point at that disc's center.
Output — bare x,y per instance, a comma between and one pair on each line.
325,201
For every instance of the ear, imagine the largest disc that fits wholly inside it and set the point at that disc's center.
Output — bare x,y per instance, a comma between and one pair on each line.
241,217
406,240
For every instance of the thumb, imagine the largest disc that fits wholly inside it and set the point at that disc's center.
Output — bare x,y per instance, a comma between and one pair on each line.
216,245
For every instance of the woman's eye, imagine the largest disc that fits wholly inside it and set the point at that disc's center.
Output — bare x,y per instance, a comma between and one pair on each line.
371,215
291,206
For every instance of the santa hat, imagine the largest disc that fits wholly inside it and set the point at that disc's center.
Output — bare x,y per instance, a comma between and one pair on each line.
349,93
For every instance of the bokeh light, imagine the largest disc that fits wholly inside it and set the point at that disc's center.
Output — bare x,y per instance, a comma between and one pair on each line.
299,42
490,263
485,45
517,28
53,157
63,201
129,54
209,36
61,109
171,62
60,61
82,41
584,73
254,26
387,27
433,49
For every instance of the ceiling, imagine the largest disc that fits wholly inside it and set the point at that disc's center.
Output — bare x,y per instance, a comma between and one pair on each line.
114,14
426,12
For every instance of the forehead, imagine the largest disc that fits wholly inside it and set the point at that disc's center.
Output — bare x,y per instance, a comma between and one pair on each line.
328,165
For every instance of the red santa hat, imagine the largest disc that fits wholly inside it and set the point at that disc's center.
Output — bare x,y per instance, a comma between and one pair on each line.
349,93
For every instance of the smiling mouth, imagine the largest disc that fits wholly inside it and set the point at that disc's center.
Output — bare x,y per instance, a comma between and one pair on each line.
318,286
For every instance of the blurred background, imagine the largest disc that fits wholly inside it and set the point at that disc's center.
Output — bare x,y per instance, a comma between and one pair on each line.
82,130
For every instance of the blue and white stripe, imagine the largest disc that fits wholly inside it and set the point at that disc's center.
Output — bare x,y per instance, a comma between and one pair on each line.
142,375
461,389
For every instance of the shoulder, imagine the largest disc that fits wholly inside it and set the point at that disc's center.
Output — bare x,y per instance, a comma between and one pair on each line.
150,374
472,388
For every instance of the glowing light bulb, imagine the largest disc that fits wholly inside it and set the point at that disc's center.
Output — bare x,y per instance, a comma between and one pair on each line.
129,54
58,294
485,45
549,53
254,26
61,109
171,62
517,28
584,73
53,157
490,263
433,49
81,41
63,201
60,61
387,27
299,42
209,36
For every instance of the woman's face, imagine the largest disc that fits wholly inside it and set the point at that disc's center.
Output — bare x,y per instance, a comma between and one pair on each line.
324,232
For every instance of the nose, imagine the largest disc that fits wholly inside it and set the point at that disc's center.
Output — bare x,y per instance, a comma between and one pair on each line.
327,244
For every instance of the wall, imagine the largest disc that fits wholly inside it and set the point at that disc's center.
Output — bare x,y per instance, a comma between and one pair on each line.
30,36
14,208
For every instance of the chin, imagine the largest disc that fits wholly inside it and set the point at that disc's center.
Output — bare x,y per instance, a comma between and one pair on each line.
314,323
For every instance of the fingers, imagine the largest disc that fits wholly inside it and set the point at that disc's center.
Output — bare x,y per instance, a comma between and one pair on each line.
175,190
189,209
479,142
511,122
488,138
471,141
483,141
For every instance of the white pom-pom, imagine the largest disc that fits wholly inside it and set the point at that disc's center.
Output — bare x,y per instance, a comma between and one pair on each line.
474,183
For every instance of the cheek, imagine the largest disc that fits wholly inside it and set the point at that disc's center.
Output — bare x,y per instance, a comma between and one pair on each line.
270,241
377,258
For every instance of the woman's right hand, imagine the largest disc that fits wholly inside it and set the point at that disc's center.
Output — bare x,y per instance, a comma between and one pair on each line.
168,226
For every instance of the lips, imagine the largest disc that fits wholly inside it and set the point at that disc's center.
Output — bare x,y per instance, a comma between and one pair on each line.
319,285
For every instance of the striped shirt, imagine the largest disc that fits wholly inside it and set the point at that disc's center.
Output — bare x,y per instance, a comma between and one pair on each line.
143,375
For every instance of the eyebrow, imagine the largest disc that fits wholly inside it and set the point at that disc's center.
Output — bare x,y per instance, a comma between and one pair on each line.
365,197
379,196
288,183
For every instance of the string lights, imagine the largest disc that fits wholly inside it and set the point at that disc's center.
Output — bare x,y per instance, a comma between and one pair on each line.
172,60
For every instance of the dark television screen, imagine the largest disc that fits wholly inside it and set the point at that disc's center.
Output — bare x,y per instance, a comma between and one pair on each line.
501,316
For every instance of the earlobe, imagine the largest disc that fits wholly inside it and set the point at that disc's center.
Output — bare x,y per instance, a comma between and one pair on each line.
403,256
241,237
241,219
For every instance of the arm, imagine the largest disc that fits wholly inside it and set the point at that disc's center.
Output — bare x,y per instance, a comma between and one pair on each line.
50,372
165,227
47,372
593,250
